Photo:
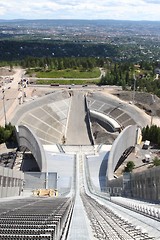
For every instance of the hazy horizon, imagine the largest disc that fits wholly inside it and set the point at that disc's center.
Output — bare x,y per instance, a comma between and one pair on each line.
52,19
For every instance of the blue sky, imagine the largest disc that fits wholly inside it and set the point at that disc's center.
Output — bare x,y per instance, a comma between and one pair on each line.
81,9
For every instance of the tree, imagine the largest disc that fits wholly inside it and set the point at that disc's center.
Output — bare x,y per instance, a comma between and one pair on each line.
129,167
103,80
2,135
7,134
158,140
60,64
156,161
145,133
10,67
127,77
152,134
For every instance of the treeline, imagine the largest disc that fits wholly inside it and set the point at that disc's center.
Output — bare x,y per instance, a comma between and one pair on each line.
117,73
48,63
152,134
128,75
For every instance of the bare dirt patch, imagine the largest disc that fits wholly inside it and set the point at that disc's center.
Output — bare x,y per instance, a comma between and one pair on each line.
4,71
101,135
146,101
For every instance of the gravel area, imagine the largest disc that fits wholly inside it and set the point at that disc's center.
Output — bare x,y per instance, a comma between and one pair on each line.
146,101
101,136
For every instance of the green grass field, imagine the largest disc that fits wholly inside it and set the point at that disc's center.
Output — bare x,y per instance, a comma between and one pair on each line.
67,82
70,73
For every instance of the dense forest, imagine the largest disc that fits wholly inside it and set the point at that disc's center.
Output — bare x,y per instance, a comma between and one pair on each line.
141,76
18,50
152,134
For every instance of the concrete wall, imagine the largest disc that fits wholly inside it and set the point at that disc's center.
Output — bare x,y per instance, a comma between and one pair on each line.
39,180
126,139
142,185
88,122
106,119
26,138
96,167
11,182
63,165
146,185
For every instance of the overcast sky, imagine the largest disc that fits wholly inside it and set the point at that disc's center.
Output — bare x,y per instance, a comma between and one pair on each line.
80,9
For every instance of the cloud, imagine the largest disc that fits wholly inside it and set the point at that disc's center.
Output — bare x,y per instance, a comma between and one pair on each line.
152,1
80,9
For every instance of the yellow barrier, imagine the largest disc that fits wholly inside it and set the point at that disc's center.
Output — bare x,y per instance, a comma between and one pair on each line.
45,192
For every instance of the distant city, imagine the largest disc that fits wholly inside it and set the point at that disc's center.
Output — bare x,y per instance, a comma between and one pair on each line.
120,40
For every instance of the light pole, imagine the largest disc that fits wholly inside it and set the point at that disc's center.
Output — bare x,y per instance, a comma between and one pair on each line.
21,94
23,85
134,87
151,119
153,113
4,108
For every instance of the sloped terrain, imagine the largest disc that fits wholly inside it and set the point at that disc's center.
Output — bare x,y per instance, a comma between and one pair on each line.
146,101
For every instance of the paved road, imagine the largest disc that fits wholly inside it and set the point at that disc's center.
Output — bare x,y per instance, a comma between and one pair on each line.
77,131
11,94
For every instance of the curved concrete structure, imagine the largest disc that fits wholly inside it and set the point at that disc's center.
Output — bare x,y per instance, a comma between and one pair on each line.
46,117
27,138
127,138
101,116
